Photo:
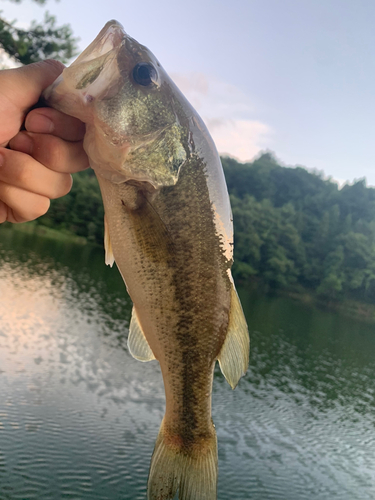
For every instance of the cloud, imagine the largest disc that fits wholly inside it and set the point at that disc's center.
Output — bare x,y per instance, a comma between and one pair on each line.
242,139
228,114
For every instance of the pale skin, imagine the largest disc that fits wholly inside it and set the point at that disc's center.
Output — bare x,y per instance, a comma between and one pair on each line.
35,163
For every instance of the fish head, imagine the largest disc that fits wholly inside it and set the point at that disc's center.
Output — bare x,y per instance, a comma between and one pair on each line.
137,121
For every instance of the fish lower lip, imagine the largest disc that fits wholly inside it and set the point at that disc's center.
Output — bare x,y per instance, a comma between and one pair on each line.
108,40
113,34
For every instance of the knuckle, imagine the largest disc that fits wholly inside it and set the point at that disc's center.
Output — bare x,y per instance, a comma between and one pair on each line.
21,176
15,171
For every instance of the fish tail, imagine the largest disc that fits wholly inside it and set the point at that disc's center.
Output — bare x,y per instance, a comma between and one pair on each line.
192,472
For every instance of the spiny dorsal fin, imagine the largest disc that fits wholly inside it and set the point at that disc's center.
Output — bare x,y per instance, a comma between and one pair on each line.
109,258
234,355
137,343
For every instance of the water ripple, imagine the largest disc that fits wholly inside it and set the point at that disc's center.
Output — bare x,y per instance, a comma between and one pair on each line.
79,416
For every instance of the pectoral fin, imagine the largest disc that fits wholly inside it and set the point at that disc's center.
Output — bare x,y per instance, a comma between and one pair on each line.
109,258
234,355
137,343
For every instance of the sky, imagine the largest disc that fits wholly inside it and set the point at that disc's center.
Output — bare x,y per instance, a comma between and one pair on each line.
296,77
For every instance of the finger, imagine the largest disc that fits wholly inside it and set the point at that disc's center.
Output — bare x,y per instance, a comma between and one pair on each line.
51,151
23,86
51,121
22,171
20,89
3,212
22,205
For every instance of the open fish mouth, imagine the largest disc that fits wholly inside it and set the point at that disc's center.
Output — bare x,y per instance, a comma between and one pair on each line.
82,74
109,39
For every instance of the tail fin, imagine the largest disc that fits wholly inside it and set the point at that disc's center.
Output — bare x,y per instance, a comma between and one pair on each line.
193,474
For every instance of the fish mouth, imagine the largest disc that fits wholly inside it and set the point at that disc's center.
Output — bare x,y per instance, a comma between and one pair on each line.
67,92
109,39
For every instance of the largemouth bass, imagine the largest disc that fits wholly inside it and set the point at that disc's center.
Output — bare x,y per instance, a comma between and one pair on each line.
168,227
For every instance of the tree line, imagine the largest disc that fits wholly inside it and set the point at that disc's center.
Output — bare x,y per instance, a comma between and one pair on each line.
293,229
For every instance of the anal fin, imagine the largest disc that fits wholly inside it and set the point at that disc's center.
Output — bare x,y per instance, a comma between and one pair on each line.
109,258
234,355
137,342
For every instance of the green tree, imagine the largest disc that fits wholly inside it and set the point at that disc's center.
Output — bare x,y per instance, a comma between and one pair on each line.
41,41
293,227
81,211
331,284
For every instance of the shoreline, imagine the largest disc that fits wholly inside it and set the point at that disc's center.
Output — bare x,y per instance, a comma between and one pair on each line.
47,232
346,307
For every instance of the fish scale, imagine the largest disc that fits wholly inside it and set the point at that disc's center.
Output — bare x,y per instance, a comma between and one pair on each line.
168,227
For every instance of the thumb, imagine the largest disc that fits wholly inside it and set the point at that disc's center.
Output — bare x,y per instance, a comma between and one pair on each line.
23,86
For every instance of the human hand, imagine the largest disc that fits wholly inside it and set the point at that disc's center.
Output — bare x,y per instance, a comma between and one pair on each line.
38,165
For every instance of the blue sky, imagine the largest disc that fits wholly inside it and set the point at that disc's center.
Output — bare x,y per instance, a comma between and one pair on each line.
293,76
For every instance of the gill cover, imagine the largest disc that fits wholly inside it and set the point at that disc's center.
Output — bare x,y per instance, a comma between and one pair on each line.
136,128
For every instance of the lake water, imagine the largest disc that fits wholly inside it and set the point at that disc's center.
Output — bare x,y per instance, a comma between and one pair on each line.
79,416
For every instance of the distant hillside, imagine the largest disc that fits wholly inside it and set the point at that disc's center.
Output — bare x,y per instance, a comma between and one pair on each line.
293,228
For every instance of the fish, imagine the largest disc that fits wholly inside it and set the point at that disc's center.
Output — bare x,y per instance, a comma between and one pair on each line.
168,226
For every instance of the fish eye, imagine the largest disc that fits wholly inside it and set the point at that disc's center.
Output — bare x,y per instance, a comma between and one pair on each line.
144,74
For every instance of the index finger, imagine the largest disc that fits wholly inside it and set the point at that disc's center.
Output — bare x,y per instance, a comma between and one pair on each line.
51,121
22,86
20,89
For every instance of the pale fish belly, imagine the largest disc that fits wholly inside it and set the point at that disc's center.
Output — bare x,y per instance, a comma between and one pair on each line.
175,267
168,226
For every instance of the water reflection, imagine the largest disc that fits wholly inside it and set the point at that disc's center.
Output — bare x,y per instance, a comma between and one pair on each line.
71,407
79,416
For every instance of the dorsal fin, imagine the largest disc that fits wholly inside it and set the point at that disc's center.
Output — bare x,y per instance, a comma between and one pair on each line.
109,258
234,355
137,343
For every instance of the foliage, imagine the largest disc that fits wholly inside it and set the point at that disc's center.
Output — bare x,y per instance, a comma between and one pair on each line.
41,41
292,228
295,228
81,211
